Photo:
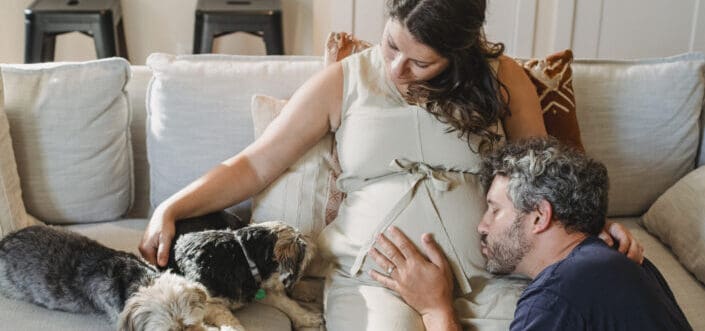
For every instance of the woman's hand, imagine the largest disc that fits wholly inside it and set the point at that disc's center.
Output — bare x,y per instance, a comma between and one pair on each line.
157,238
409,271
627,243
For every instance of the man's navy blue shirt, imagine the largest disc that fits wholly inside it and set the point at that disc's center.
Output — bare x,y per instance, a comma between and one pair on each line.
598,288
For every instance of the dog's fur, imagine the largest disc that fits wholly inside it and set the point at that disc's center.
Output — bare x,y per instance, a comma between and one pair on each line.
61,270
216,259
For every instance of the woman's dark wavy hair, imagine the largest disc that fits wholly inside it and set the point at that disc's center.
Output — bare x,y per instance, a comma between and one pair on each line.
466,96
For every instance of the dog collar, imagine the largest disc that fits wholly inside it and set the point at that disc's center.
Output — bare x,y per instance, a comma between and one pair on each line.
253,267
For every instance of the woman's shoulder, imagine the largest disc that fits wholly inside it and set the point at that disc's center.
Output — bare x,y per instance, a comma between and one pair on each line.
509,70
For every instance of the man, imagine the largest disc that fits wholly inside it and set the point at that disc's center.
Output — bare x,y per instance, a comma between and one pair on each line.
546,206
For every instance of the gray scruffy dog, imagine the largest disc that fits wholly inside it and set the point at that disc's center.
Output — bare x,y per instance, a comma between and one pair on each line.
61,270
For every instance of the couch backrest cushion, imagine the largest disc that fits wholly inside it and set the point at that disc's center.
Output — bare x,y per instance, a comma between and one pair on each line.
701,159
69,125
137,90
199,110
640,118
12,212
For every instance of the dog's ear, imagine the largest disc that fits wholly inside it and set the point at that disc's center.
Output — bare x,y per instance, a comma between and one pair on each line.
293,251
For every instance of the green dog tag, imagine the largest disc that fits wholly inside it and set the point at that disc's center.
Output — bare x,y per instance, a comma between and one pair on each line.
260,294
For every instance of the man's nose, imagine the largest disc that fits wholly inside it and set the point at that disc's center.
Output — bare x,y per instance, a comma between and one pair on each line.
482,227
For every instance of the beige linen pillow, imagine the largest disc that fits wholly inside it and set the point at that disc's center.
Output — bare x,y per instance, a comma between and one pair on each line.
677,218
300,195
71,137
12,213
641,119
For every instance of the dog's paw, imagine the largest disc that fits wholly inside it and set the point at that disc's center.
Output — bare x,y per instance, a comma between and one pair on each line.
307,320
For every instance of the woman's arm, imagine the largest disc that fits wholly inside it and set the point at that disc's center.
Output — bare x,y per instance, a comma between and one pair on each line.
526,118
312,111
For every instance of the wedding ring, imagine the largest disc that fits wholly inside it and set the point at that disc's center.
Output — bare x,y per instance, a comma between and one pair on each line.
390,269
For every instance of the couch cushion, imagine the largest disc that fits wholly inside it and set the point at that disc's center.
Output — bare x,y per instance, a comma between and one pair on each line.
641,119
298,196
12,212
137,90
701,159
199,110
677,218
20,315
689,293
69,125
122,235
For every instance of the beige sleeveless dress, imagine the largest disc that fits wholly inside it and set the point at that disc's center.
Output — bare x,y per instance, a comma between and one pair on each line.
400,167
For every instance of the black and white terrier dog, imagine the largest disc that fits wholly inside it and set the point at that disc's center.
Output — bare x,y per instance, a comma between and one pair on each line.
240,265
62,270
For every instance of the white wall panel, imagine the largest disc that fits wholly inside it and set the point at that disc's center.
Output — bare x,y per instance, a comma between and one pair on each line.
329,16
645,28
501,22
586,28
370,17
528,28
697,40
512,22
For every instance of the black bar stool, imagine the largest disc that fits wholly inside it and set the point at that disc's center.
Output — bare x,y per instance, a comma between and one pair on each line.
215,18
100,19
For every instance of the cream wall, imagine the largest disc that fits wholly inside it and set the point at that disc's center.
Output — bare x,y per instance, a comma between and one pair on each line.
534,28
157,26
529,28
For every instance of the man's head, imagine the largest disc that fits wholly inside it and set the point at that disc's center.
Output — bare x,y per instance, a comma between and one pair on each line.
532,185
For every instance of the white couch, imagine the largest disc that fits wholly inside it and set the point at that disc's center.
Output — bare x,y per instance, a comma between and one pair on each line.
607,134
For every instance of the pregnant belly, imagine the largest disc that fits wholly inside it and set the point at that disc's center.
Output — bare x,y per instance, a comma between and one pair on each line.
451,215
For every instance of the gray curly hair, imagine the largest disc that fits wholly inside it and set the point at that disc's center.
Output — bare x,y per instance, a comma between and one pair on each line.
543,169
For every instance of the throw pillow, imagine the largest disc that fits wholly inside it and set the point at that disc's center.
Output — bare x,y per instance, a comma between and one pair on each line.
339,45
553,79
12,212
640,118
70,133
198,109
677,218
299,196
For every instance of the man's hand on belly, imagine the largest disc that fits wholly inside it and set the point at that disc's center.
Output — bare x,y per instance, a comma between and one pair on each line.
425,284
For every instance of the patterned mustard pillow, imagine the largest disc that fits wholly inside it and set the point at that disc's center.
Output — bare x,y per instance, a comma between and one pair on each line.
553,78
339,45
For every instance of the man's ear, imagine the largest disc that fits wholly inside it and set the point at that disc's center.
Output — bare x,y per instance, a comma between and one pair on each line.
542,217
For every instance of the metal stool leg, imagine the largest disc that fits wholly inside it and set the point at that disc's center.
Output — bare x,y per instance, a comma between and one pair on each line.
208,34
198,34
122,43
33,41
48,46
103,37
204,34
273,39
